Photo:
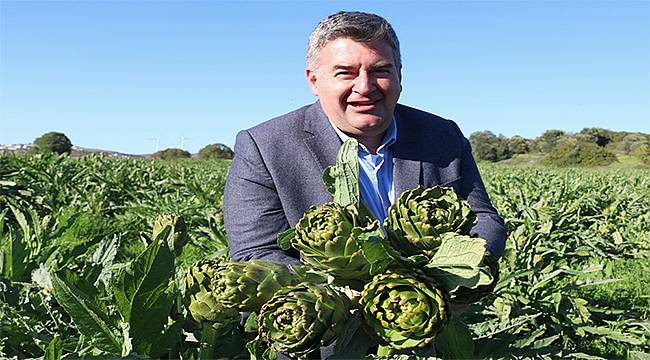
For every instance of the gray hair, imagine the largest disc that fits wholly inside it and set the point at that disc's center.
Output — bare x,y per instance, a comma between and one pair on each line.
358,26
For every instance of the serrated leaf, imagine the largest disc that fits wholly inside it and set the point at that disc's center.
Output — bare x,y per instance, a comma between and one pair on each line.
344,175
103,259
457,263
141,294
90,319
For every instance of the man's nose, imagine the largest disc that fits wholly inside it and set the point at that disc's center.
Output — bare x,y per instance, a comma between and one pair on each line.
364,84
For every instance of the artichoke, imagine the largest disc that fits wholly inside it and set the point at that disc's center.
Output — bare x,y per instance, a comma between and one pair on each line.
328,237
403,311
465,295
246,286
178,236
301,318
419,217
204,304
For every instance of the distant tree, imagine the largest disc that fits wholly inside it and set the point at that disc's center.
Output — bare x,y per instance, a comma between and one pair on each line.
489,147
215,151
600,137
53,142
519,145
171,154
548,140
579,153
483,145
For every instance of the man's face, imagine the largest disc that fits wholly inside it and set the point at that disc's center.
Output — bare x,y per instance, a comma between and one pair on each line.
358,85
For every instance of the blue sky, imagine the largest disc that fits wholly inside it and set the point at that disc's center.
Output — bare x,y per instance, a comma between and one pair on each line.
120,74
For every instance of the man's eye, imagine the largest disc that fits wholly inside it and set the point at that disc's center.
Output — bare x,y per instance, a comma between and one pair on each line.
342,73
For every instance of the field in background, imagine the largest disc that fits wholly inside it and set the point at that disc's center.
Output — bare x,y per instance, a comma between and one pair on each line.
573,278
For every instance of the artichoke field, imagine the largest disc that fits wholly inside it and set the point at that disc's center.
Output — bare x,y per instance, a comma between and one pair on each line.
90,268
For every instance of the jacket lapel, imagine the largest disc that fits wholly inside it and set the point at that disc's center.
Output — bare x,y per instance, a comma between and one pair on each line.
321,139
407,166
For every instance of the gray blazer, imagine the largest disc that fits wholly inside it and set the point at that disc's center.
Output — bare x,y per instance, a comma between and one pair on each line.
276,175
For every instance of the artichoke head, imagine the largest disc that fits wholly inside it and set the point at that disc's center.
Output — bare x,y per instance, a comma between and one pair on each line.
203,302
328,239
403,311
178,236
301,318
246,286
418,219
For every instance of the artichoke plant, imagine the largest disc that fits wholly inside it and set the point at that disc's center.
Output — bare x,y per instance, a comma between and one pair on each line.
464,295
419,217
403,311
301,318
246,286
204,304
328,239
178,236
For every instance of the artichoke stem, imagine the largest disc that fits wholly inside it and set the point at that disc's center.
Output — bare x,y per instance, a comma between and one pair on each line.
209,338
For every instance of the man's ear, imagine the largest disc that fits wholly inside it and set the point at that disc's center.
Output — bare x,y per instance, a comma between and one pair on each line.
312,79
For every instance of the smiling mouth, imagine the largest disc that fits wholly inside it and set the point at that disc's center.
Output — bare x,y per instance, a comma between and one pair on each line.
361,104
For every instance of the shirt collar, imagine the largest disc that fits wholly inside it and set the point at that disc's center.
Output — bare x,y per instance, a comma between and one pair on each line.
389,137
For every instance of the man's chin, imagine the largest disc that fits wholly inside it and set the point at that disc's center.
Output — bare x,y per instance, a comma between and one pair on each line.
368,121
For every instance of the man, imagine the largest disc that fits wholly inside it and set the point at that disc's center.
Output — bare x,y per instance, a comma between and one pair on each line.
354,67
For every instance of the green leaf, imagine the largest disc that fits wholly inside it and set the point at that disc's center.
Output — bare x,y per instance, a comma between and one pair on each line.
342,178
638,355
167,341
13,250
285,237
527,341
141,294
585,356
103,258
455,341
54,349
258,350
458,263
91,320
353,341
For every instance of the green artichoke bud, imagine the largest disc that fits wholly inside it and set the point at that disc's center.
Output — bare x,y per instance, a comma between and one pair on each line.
464,295
246,286
178,236
204,304
328,237
301,318
419,217
403,311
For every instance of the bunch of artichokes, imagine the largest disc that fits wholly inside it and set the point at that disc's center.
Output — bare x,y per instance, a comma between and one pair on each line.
405,272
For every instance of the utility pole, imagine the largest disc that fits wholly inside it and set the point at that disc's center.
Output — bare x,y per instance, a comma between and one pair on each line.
157,140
